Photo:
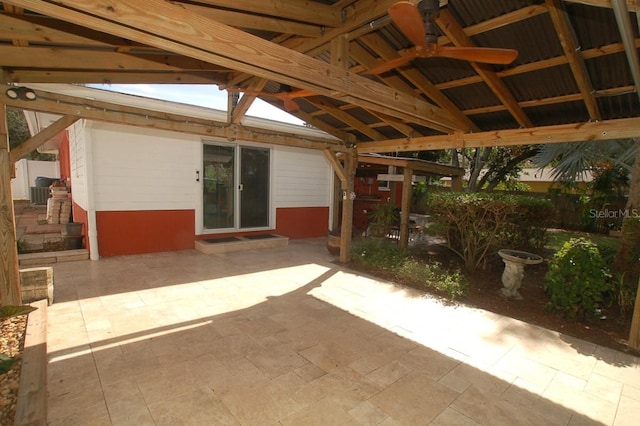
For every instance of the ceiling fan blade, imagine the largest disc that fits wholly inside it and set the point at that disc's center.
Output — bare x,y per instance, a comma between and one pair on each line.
409,19
486,55
394,63
302,93
290,105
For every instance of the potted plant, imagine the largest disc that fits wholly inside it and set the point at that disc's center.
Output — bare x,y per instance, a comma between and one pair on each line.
382,218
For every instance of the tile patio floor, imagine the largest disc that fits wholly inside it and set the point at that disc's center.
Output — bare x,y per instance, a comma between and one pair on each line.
284,336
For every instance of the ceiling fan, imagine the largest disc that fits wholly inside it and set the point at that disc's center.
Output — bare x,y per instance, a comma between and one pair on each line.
416,22
287,96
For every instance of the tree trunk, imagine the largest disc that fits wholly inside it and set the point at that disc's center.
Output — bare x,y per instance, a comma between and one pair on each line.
481,157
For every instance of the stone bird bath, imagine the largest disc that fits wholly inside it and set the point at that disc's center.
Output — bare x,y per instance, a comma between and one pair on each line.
514,263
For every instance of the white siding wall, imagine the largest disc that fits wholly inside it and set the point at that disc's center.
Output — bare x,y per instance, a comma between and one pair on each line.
77,152
26,173
143,169
302,178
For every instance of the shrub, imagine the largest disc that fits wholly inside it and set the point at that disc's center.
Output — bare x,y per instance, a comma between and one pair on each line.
388,257
477,225
384,255
577,279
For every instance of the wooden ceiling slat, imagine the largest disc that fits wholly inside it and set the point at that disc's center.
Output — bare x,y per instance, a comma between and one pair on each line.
121,114
293,10
187,33
599,131
256,22
23,76
566,35
452,29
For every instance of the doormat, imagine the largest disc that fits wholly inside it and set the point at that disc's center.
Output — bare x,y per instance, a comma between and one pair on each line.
222,240
260,236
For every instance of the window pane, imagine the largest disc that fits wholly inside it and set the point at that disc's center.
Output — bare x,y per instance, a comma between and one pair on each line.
218,187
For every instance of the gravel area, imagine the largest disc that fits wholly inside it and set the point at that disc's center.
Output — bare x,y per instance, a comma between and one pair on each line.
11,344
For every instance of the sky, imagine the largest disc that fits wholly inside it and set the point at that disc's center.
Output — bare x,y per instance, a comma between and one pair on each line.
202,95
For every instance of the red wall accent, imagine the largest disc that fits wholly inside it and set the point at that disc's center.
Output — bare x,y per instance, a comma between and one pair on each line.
64,157
136,232
79,214
302,222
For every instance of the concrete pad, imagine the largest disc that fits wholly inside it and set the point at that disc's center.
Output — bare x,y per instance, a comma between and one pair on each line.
286,336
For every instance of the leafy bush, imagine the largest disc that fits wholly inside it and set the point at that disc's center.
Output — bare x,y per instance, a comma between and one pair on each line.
477,225
386,256
577,279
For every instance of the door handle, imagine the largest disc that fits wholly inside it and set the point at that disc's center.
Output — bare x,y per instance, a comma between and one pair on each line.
241,187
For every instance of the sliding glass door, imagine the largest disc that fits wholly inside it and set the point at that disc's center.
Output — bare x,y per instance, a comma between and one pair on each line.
254,187
236,179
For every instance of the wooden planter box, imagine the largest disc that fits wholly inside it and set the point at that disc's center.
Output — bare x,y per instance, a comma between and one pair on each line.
31,408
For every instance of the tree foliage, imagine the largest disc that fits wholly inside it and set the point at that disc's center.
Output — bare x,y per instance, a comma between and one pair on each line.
17,127
477,225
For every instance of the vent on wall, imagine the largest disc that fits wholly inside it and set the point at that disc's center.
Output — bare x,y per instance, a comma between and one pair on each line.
39,195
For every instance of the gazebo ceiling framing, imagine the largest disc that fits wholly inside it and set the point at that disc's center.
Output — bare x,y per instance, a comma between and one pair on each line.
574,76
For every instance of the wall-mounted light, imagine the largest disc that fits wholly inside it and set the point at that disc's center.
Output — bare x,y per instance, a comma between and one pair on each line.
24,93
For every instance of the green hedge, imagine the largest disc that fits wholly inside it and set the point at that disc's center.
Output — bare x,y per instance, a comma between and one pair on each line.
478,224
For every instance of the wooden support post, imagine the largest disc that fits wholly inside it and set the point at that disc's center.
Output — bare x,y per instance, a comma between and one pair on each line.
634,334
9,271
406,207
350,165
456,183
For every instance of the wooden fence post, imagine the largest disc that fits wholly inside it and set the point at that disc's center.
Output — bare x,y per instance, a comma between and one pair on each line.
9,271
634,334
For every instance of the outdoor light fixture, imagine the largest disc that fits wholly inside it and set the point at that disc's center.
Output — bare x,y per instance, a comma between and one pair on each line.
23,93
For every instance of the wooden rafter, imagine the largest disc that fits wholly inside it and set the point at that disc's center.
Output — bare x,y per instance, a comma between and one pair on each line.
571,51
41,137
257,22
602,130
105,111
375,43
453,30
192,35
292,10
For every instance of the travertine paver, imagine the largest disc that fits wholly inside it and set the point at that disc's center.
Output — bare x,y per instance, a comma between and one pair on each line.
285,336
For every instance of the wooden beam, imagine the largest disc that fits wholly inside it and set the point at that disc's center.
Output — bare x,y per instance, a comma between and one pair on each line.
405,207
24,76
167,26
387,53
346,118
9,270
104,111
61,58
293,10
454,31
413,164
600,3
634,332
40,138
567,38
241,19
337,168
602,130
247,100
350,165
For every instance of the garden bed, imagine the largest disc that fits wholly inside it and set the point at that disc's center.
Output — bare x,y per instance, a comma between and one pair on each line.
23,387
484,292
